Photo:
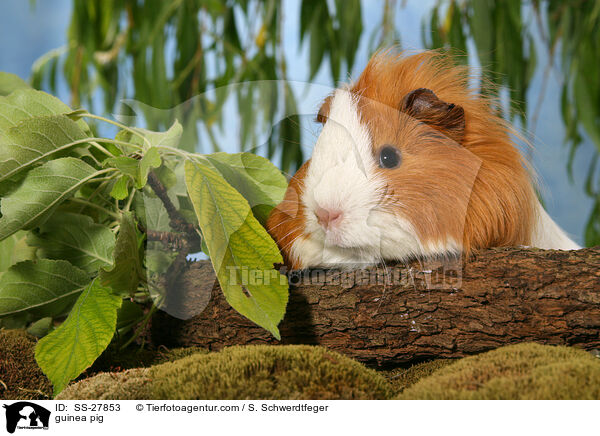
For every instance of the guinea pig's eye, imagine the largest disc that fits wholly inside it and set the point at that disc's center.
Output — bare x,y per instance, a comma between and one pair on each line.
389,157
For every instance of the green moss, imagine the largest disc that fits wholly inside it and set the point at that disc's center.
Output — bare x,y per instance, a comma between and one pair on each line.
122,375
248,372
133,384
166,355
20,376
402,378
524,371
114,359
274,372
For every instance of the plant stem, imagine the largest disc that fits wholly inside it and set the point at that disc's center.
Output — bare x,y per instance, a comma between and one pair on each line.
142,326
117,142
100,148
95,206
130,200
101,186
115,123
176,151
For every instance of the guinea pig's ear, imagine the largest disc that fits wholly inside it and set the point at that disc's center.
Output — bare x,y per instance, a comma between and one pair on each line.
324,110
425,106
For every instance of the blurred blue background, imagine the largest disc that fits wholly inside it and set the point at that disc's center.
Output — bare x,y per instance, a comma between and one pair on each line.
31,30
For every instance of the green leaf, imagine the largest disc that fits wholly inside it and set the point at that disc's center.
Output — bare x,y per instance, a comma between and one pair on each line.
18,321
170,138
14,249
77,115
482,28
150,210
35,140
76,344
289,133
127,270
586,108
306,12
127,165
256,178
238,245
592,227
42,190
136,169
41,327
120,190
152,213
350,15
317,47
45,287
77,239
167,177
150,160
11,82
29,103
158,260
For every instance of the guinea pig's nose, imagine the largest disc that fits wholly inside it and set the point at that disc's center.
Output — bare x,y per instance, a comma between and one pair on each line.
328,217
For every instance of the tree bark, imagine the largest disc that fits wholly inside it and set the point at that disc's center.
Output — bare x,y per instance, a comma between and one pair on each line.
437,309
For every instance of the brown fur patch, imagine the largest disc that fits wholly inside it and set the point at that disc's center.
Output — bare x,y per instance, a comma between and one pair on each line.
324,110
484,195
425,106
472,187
286,222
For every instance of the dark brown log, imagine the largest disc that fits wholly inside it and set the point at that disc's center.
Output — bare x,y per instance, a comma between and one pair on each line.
437,310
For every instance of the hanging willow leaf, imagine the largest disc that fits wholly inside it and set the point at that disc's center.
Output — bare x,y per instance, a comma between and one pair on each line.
290,134
350,17
592,227
306,11
318,42
482,29
42,190
238,246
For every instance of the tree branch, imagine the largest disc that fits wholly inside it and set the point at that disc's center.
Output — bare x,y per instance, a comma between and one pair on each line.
424,311
177,222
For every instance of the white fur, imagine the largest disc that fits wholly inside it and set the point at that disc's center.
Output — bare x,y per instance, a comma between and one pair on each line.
342,176
547,234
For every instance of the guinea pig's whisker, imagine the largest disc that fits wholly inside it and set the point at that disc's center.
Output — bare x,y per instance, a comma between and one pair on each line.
385,281
288,234
289,141
274,227
289,244
304,128
411,274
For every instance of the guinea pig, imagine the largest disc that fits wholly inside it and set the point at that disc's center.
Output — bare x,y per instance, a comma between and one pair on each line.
410,163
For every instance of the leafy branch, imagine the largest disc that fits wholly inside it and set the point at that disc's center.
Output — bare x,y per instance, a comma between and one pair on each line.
84,221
